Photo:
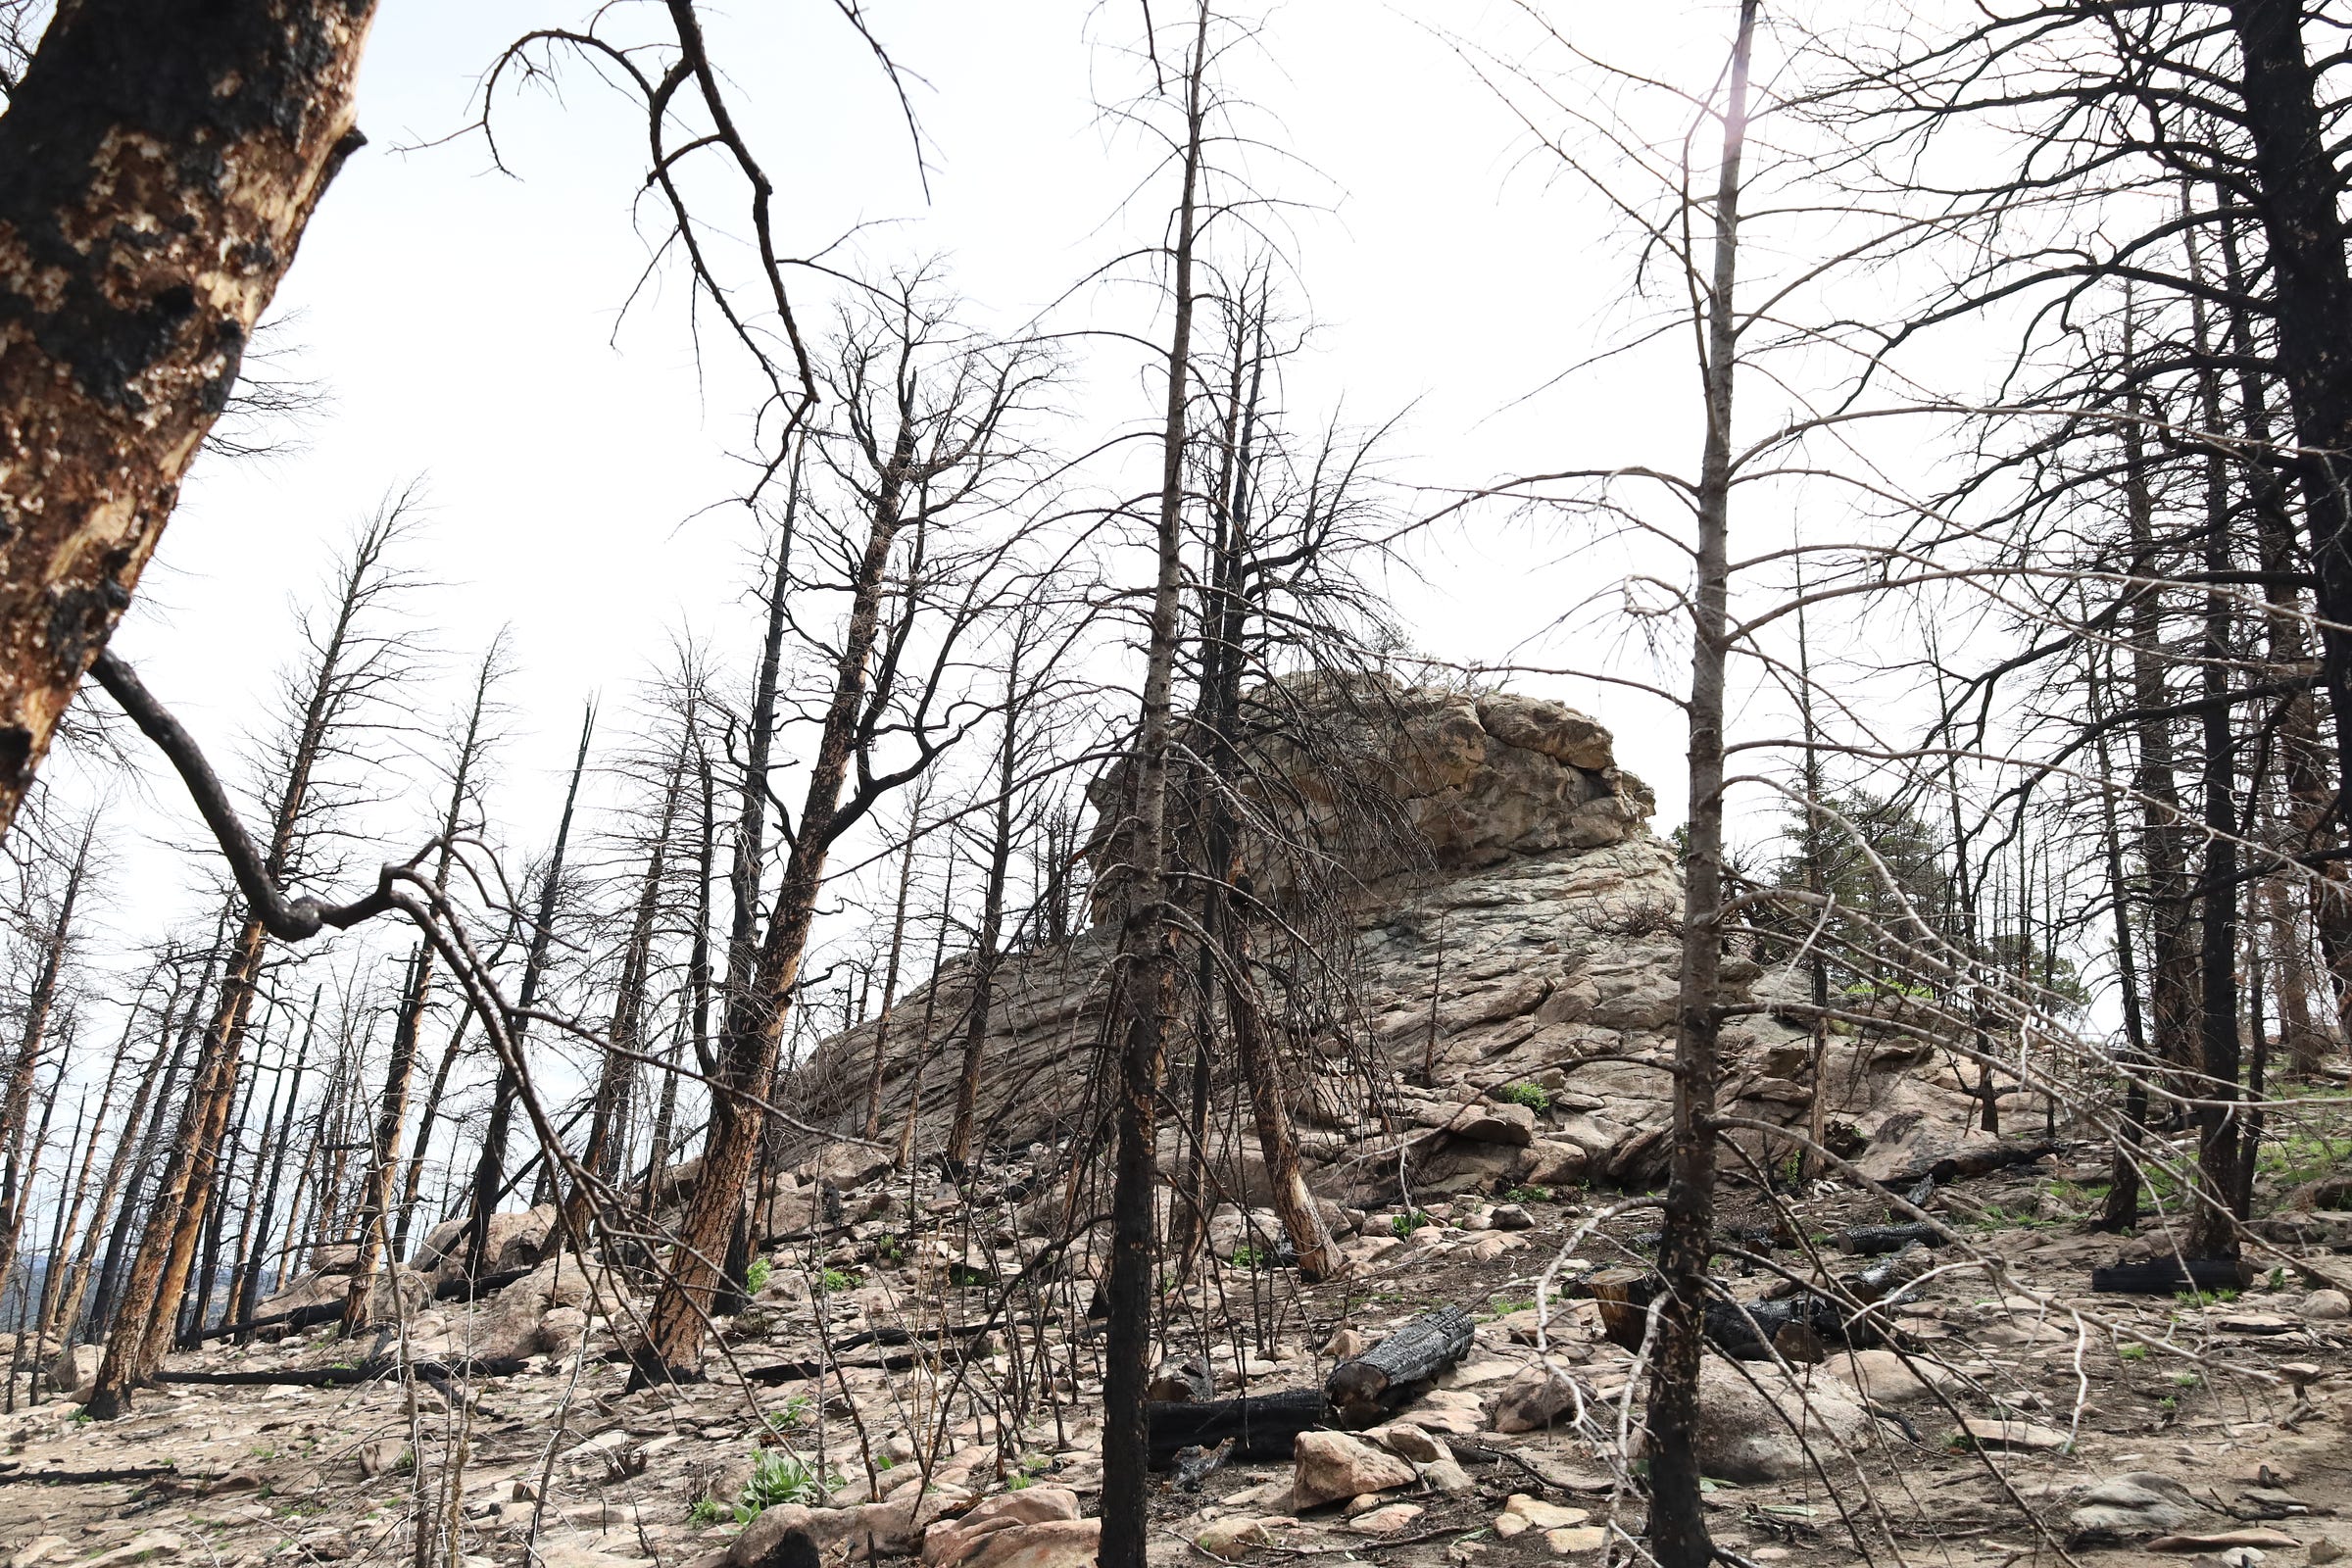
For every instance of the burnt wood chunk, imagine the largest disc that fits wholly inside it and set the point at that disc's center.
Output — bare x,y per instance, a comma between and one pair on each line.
1368,1388
1261,1426
2166,1276
1869,1240
1623,1297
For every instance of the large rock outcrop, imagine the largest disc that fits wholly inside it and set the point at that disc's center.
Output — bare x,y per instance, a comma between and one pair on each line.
1504,1008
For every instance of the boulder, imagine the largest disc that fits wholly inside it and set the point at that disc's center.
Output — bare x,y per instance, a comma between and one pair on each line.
844,1166
73,1369
1481,1122
517,1324
2018,1435
787,1536
1890,1379
1331,1465
1554,729
513,1239
1556,1162
949,1542
1447,1476
1533,1399
1387,1520
2327,1306
1230,1539
2131,1507
1749,1434
1053,1544
1409,1442
1524,1513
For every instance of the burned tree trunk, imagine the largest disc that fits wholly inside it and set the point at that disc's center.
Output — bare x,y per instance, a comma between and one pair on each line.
157,167
1677,1521
490,1168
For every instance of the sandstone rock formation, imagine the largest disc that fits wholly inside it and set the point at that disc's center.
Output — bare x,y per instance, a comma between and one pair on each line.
1517,944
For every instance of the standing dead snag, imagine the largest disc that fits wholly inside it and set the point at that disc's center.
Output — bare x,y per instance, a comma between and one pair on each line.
351,663
925,412
1678,1526
158,166
1147,977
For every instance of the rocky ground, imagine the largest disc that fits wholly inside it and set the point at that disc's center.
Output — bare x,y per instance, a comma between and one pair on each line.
917,1373
2044,1416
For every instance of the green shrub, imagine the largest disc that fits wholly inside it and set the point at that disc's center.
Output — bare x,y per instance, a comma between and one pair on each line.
1411,1220
834,1281
777,1478
1535,1097
755,1278
2131,1352
1248,1258
705,1513
1528,1195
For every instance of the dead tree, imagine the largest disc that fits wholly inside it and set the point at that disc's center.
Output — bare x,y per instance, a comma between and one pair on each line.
490,1167
1138,883
927,428
157,171
16,1182
350,665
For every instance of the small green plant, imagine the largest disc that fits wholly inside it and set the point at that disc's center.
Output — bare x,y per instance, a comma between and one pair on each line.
2205,1298
2167,1404
834,1281
795,1414
1528,1195
883,1461
1411,1220
888,1248
2131,1352
1250,1257
755,1278
2277,1279
1017,1482
1535,1097
1504,1306
777,1478
2186,1380
705,1513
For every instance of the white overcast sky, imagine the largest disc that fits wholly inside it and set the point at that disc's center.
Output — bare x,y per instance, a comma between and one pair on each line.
465,323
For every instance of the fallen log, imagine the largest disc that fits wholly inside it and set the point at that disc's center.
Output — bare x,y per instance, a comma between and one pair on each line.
1890,1274
1262,1426
1980,1161
310,1317
118,1474
343,1377
2166,1276
1746,1329
1365,1388
302,1317
469,1289
1869,1240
